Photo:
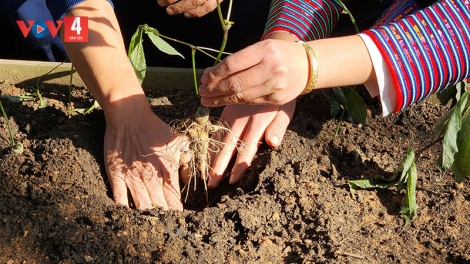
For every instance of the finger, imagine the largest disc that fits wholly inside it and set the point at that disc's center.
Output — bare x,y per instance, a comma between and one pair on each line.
119,188
164,3
251,141
171,183
185,170
237,62
237,83
259,94
184,6
277,129
139,192
153,183
171,190
246,152
224,155
201,11
116,179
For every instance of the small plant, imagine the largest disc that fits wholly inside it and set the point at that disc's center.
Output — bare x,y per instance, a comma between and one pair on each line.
346,98
16,148
453,130
197,131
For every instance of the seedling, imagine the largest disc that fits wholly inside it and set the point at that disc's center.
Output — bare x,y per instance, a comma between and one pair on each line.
453,130
16,148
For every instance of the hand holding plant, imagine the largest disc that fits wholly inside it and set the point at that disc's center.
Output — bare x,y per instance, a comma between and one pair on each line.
190,8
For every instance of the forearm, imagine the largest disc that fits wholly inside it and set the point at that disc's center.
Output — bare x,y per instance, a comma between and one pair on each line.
342,61
102,62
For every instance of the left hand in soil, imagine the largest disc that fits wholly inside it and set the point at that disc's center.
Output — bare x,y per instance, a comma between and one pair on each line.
141,156
249,123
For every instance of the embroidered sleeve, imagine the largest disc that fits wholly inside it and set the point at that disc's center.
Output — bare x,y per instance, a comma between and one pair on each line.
305,19
426,51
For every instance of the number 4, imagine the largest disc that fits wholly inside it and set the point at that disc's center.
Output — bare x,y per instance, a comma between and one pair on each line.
76,25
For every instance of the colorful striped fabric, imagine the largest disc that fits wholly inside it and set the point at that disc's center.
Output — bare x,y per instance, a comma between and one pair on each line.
305,19
426,51
398,10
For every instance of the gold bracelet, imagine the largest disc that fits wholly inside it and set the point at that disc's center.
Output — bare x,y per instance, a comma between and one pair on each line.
313,69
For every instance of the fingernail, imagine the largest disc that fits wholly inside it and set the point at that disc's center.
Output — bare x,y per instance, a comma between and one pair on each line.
212,183
202,90
205,102
233,179
170,11
274,140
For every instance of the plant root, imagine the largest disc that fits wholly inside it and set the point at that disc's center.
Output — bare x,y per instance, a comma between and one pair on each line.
199,132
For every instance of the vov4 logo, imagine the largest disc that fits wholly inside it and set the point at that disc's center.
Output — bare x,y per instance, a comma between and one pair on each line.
75,28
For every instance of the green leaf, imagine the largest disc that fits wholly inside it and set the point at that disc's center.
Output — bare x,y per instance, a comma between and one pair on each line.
335,107
405,167
339,95
161,44
137,59
136,54
372,182
454,125
461,165
446,95
441,125
355,105
408,206
135,40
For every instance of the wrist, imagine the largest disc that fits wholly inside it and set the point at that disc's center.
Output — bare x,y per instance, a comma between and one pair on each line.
126,109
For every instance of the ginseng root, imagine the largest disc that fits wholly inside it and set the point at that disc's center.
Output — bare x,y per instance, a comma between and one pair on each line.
199,132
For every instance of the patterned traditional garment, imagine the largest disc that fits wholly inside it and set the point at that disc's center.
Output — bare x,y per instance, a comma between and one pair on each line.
425,49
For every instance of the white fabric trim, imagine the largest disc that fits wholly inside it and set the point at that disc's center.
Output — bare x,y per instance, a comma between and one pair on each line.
384,86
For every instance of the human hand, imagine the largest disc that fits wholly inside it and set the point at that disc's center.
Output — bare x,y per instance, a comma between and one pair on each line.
268,72
249,123
141,155
190,8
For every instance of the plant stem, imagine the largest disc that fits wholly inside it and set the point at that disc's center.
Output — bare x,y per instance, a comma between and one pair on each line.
339,123
38,94
193,58
349,13
8,125
201,49
419,152
70,89
226,24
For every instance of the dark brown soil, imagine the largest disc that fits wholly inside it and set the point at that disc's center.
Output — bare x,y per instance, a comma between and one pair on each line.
293,205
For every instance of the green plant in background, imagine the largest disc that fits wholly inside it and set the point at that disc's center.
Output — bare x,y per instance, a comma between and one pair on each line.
346,98
406,175
17,148
453,130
